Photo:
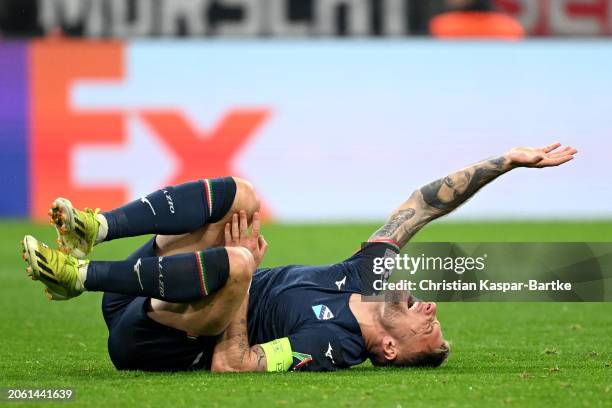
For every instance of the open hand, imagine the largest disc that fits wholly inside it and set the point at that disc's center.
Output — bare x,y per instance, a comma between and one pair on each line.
237,234
547,156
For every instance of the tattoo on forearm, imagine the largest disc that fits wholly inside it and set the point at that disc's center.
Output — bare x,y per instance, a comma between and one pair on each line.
243,340
260,356
453,190
396,220
402,224
234,343
438,198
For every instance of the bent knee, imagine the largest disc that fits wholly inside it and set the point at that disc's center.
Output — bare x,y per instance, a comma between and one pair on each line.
242,265
246,197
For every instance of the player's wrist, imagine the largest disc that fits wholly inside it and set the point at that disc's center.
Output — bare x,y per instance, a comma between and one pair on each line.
509,163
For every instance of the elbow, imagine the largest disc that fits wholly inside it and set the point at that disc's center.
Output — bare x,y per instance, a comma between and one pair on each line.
220,365
220,368
418,196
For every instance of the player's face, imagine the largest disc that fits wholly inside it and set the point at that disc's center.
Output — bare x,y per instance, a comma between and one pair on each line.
415,326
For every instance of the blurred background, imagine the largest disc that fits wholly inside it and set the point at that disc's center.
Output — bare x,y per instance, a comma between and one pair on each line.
335,109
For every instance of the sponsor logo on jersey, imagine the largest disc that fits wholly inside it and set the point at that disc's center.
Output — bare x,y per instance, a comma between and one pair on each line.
322,312
137,271
329,354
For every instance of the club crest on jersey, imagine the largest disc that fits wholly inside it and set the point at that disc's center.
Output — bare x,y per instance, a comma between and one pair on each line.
322,312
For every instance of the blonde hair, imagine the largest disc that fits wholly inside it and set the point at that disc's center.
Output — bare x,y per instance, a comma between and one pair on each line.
430,358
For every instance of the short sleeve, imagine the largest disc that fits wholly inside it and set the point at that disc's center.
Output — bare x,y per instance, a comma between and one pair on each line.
367,265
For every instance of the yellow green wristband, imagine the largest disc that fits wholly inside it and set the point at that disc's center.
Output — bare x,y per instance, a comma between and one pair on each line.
278,355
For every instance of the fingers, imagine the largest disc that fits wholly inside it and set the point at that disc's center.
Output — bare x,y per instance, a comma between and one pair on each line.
235,228
557,158
237,232
551,147
256,224
228,234
561,160
263,245
244,225
568,150
555,161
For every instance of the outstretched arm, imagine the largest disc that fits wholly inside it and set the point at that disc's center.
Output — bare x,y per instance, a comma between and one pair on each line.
442,196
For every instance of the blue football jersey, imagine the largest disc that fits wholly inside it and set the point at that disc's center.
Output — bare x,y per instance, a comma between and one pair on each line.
310,306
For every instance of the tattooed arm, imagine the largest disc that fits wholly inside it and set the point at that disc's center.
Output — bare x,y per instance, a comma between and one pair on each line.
442,196
232,352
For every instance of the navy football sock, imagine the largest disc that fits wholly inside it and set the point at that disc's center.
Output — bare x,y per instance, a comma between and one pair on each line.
173,210
181,278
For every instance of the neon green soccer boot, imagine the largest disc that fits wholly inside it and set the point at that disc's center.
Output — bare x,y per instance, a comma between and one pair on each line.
76,230
60,273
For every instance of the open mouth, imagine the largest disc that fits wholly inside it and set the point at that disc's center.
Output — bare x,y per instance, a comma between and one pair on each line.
413,302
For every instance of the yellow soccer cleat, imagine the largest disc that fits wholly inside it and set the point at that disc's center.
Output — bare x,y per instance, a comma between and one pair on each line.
76,230
57,271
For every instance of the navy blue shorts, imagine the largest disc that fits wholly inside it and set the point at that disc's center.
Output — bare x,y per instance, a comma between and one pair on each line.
137,342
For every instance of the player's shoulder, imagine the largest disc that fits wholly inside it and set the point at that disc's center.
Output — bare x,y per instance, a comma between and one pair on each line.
326,346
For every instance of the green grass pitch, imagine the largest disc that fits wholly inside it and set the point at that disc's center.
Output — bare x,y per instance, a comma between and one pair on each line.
509,354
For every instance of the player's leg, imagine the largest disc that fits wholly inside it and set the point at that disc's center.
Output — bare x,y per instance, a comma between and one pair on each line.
114,304
243,198
150,334
171,210
181,278
210,315
211,235
137,342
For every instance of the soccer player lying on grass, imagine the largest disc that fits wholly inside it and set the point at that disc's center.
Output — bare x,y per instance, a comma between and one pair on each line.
182,300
